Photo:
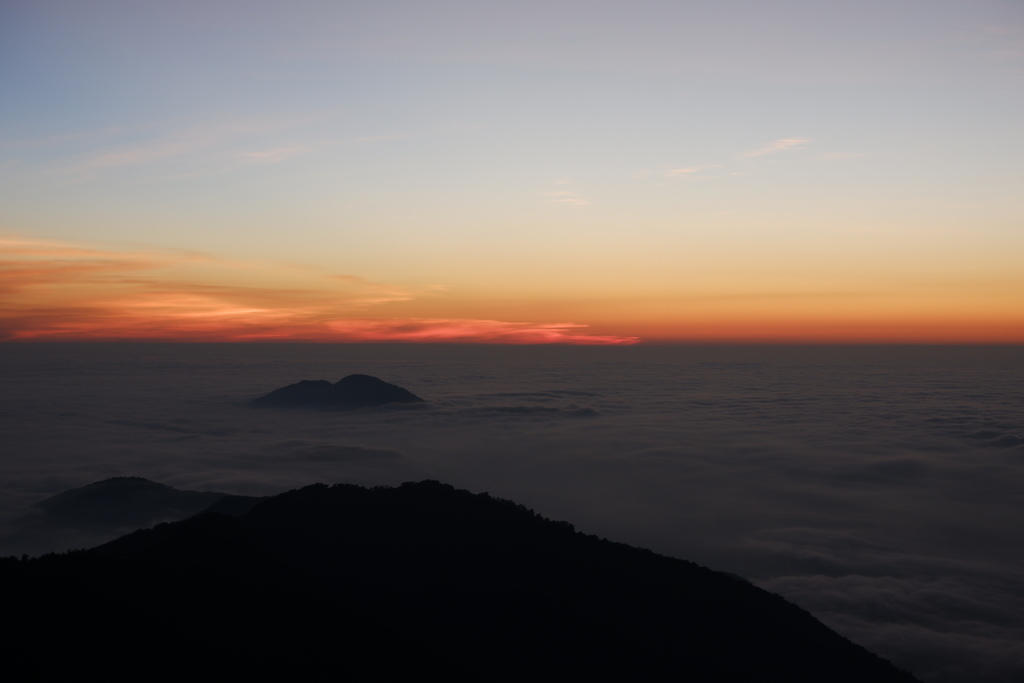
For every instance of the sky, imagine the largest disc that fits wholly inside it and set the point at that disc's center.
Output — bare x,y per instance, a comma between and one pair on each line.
596,172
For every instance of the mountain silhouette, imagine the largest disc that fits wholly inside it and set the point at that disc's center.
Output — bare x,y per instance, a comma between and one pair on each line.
394,584
353,391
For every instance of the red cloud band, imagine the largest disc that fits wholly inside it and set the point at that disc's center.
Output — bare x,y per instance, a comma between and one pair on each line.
59,292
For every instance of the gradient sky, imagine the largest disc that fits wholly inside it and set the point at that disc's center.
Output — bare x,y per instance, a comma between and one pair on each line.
589,172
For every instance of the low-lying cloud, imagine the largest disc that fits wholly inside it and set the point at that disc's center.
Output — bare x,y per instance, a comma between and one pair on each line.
880,494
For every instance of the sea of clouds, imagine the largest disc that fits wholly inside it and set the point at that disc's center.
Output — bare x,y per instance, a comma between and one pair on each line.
882,489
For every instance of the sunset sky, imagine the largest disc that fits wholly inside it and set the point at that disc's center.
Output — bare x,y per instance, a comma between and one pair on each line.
600,172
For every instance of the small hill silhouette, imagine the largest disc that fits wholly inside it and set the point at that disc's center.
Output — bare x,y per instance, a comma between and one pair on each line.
103,510
124,501
353,391
418,581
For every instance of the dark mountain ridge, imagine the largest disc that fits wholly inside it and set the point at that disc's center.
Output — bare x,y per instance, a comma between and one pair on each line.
348,393
341,581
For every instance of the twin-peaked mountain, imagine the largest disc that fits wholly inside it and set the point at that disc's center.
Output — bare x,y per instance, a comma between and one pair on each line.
421,581
354,391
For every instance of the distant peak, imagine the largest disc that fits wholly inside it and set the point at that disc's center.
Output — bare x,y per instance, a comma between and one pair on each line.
360,379
352,391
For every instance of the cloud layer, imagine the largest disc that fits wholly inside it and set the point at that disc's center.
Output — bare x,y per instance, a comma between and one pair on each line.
877,488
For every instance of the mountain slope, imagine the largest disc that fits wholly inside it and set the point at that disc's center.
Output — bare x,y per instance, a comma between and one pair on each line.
446,581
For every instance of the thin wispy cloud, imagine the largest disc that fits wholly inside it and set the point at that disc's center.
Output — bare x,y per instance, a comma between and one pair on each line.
366,139
222,142
27,264
685,173
189,150
721,170
380,293
565,197
54,290
279,154
274,156
28,143
1012,39
471,331
774,147
131,156
162,146
682,172
840,156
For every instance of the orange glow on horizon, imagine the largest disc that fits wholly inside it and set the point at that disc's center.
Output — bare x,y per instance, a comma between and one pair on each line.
850,332
53,291
346,331
58,292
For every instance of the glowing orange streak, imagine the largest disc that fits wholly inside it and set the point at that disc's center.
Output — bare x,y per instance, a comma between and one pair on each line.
213,327
54,291
57,291
478,331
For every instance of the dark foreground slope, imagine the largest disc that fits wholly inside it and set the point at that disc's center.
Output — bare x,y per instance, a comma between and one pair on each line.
401,583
